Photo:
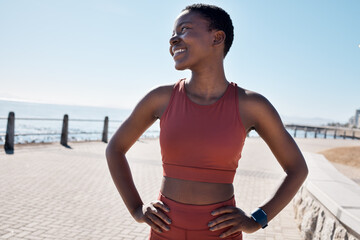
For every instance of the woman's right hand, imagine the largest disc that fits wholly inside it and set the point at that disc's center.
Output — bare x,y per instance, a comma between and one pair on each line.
153,214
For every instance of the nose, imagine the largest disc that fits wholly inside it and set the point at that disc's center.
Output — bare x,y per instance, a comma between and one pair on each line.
174,40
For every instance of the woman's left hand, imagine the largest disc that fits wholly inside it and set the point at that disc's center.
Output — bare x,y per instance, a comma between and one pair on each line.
232,217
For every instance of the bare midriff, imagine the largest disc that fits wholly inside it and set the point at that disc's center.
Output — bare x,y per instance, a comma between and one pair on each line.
196,193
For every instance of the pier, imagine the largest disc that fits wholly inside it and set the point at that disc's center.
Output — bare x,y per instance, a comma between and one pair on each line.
325,131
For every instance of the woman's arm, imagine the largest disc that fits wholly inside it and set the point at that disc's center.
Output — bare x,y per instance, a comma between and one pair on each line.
143,116
258,113
270,127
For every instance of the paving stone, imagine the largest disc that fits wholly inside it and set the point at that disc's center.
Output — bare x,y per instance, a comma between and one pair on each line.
52,192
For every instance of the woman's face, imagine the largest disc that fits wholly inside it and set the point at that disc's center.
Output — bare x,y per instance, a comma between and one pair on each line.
192,41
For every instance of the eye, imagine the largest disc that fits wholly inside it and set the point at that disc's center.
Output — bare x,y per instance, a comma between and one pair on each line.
184,28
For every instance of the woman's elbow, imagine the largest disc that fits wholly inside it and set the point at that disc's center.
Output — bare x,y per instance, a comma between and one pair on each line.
110,152
113,153
305,171
299,171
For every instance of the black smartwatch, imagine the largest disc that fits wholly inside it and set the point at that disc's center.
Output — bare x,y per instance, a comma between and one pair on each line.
260,217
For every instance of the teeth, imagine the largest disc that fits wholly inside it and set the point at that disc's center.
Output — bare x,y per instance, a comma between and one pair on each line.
179,50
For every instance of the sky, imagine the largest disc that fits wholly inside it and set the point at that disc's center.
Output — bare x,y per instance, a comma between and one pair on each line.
304,56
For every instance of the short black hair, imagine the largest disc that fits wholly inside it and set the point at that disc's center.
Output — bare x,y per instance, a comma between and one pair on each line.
218,19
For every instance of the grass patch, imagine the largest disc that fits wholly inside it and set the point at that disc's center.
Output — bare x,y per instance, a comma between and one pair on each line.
345,155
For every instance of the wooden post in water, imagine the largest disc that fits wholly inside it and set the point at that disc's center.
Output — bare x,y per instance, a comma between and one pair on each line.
334,133
105,131
10,134
325,133
64,131
295,132
305,132
315,133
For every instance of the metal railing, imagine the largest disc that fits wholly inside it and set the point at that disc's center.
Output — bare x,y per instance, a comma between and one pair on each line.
64,134
10,135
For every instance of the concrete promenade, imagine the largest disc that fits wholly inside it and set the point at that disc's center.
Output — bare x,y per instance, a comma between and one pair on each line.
52,192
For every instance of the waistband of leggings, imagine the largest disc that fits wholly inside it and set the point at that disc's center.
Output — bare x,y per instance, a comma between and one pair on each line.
195,208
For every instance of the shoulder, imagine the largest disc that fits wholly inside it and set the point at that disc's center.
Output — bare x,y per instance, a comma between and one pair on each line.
252,99
255,109
161,93
158,98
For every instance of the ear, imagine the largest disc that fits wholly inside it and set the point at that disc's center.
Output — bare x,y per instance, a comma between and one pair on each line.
219,37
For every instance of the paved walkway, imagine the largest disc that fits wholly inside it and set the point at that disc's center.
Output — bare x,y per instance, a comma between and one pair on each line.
52,192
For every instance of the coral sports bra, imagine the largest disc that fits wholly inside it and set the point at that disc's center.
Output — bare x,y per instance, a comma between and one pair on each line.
201,142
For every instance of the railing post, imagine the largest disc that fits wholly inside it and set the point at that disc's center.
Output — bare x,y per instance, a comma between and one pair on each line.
305,132
325,133
344,134
315,133
105,131
295,132
334,133
353,136
10,134
64,131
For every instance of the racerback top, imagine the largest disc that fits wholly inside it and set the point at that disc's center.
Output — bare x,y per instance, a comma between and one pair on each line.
201,142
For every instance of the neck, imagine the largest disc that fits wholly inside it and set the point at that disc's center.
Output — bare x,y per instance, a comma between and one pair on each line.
208,80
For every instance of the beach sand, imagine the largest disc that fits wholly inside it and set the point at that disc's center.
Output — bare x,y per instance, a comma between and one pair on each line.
349,156
343,154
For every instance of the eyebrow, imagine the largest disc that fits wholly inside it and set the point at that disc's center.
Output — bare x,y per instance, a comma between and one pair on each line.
180,24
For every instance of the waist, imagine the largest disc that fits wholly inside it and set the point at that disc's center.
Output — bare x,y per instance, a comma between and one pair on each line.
193,217
209,173
194,192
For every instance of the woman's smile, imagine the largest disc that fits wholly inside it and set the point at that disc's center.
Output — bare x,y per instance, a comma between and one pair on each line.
179,51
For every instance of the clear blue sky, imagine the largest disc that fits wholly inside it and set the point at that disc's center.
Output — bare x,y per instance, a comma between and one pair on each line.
304,56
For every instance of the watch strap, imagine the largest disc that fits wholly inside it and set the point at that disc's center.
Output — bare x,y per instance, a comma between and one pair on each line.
260,217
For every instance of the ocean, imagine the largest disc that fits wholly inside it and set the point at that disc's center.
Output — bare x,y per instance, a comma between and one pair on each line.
41,131
30,131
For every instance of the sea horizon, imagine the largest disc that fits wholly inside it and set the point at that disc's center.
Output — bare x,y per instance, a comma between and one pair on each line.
80,130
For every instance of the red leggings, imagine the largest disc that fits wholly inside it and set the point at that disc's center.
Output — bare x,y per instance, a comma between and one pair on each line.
190,222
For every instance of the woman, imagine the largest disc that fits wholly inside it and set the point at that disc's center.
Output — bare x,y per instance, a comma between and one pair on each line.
203,122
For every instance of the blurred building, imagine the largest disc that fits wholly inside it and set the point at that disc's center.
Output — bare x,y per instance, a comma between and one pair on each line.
357,118
354,121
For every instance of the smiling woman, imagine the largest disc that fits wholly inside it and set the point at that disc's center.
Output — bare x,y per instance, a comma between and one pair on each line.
203,125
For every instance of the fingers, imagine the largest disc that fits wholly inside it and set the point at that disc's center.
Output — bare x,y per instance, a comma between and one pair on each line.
229,232
160,214
162,206
222,225
228,221
159,224
222,210
155,217
153,225
221,219
230,217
